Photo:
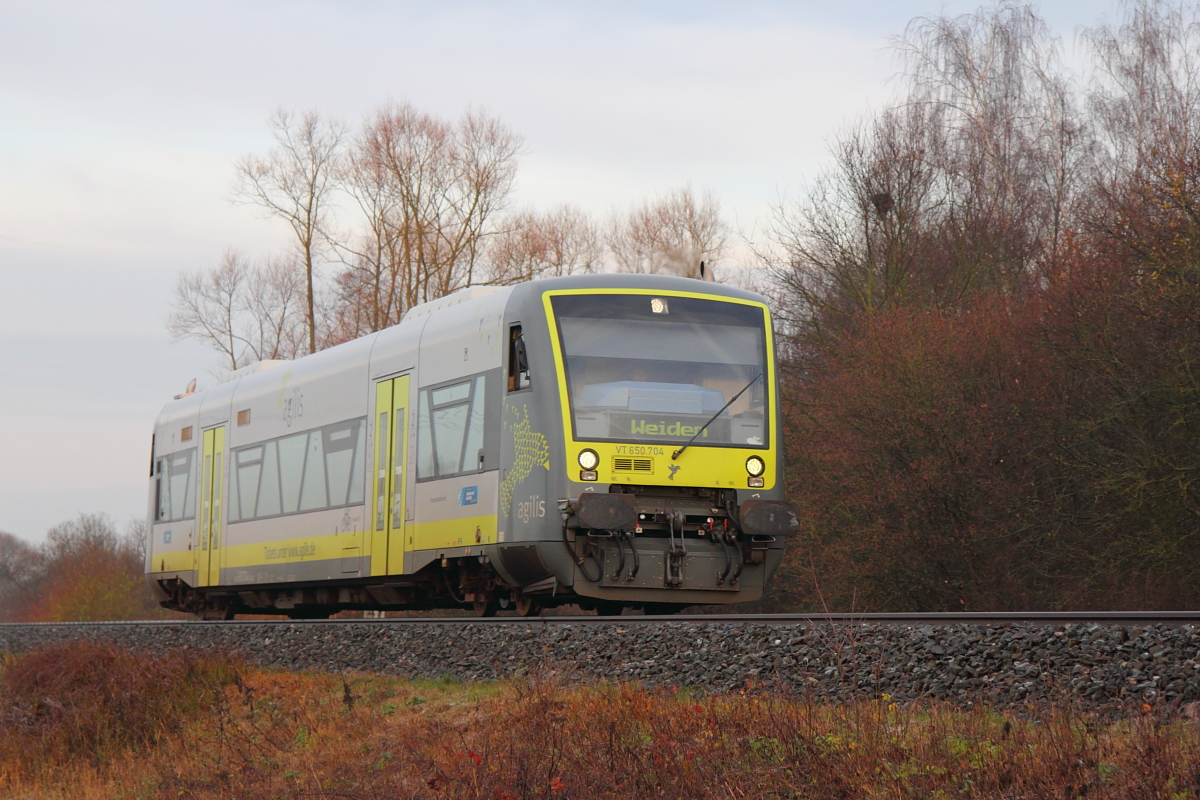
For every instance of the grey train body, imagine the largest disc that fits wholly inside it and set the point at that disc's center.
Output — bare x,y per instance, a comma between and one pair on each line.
292,487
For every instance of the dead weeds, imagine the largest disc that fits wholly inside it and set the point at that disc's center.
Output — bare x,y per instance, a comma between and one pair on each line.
94,722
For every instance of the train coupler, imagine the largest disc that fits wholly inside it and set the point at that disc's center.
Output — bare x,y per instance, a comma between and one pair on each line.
677,550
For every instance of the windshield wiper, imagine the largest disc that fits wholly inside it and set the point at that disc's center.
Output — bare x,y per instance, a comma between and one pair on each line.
704,427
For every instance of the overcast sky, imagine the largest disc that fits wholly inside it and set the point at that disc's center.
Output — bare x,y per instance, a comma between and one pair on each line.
119,124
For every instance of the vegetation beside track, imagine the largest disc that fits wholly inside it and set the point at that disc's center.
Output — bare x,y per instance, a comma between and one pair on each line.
83,721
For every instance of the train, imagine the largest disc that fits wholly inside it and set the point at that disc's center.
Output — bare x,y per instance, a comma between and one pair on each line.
607,441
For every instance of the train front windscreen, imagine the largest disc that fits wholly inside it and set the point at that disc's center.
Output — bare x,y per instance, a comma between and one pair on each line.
648,368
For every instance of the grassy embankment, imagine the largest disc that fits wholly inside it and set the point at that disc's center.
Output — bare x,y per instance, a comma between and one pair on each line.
86,722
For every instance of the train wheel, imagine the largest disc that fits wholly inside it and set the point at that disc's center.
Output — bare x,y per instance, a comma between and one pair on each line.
527,607
607,608
485,608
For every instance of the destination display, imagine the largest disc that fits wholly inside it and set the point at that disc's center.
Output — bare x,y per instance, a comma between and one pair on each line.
641,426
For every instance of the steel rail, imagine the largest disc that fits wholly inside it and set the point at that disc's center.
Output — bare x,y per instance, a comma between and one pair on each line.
1124,618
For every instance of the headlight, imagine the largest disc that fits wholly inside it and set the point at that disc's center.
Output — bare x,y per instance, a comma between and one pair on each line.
755,466
588,459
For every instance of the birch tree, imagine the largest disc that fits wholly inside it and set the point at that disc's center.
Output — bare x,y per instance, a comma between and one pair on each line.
429,192
295,182
245,312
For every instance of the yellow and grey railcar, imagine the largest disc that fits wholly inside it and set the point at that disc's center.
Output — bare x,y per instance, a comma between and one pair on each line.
608,441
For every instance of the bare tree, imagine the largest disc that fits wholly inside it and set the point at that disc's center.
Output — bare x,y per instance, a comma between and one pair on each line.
246,313
294,182
430,191
1014,140
670,235
485,168
967,184
275,309
21,567
1145,100
858,241
533,245
207,305
371,289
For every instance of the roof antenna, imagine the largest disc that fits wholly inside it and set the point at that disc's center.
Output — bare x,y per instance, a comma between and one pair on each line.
701,270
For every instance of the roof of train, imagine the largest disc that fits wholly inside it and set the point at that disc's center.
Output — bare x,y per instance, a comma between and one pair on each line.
183,405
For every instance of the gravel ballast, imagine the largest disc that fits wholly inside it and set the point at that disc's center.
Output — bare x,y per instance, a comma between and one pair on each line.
1003,666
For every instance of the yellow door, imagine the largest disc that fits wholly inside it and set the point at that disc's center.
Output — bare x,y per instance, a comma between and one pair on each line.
391,453
212,471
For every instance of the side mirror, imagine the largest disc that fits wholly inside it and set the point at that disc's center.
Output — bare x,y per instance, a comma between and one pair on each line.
522,355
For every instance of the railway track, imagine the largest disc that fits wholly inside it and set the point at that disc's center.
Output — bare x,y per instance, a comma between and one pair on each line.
1124,618
1004,659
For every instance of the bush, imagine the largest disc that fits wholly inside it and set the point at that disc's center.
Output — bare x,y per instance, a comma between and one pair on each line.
88,702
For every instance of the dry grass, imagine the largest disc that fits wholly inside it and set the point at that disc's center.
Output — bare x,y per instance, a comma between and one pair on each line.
91,722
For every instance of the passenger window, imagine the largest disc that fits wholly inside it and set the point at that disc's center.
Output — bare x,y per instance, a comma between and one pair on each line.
472,459
268,491
308,471
451,423
425,465
189,492
451,394
358,470
450,407
249,468
339,460
291,470
176,486
313,495
160,496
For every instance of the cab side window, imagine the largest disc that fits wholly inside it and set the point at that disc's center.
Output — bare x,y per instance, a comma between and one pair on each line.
518,361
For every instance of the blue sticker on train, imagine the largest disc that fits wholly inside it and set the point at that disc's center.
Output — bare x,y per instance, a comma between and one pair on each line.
468,495
166,537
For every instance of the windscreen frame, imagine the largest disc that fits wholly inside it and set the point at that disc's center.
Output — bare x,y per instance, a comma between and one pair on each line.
754,313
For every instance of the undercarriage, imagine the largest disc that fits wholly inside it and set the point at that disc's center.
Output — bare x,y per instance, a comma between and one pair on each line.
659,549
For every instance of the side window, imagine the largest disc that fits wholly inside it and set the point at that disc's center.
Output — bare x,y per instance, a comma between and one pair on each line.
341,465
451,425
472,458
450,406
312,492
425,466
518,360
176,486
268,489
358,479
291,470
322,468
162,499
249,470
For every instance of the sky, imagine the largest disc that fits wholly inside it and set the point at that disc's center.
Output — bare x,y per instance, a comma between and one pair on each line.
120,124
